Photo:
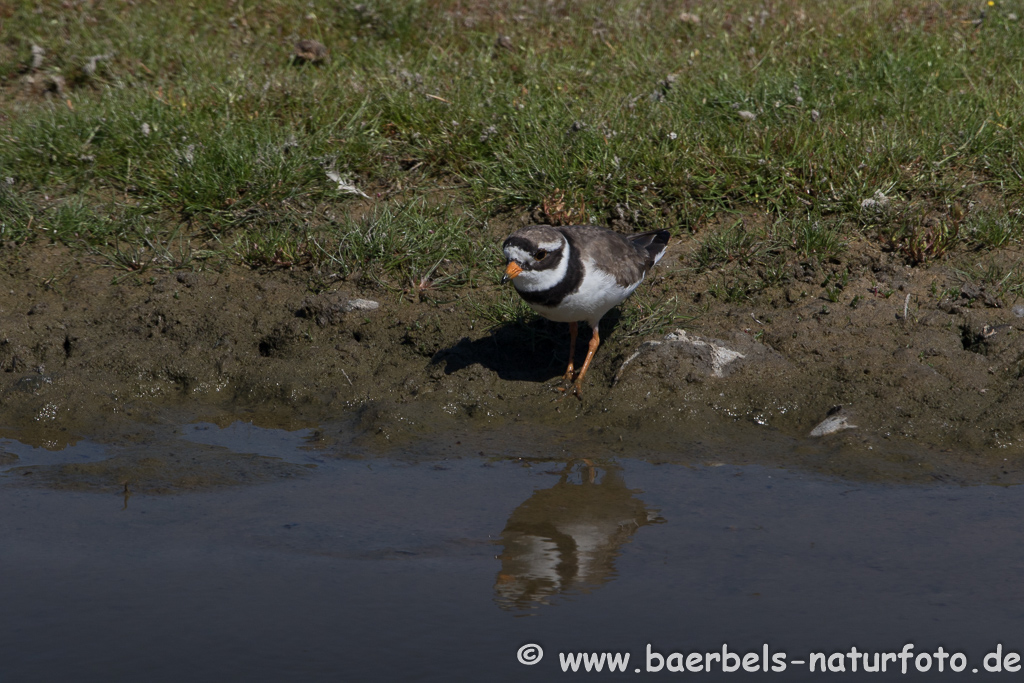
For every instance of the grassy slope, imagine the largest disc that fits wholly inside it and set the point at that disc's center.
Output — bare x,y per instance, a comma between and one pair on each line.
595,111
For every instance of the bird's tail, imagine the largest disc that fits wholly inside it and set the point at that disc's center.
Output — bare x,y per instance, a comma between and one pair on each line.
650,245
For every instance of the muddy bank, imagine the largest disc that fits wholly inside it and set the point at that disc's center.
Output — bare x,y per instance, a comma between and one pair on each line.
925,365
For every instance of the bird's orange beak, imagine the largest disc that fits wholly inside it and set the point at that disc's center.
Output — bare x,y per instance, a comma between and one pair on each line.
511,271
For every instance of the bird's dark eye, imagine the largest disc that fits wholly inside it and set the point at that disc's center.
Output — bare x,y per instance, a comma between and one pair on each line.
540,254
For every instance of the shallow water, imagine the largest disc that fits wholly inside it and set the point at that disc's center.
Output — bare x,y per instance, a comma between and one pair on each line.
387,568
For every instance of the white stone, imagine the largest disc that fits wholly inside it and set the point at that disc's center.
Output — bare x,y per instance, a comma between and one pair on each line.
831,425
720,355
361,305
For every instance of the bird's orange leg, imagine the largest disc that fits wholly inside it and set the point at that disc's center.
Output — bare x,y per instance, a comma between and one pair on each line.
573,329
594,341
591,470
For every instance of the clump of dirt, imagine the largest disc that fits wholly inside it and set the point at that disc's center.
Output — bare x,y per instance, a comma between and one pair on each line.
922,363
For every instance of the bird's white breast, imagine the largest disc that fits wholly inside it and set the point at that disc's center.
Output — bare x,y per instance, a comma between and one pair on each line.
598,293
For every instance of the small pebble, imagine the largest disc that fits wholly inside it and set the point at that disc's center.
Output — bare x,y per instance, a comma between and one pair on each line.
89,68
38,54
361,305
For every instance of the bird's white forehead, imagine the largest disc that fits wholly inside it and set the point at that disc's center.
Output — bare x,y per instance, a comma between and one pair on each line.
516,254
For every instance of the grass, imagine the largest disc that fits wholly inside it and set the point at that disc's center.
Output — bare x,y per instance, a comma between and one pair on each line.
994,229
816,238
197,129
417,246
733,244
1004,281
645,314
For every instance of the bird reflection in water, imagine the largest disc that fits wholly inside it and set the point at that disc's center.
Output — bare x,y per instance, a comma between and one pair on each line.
565,539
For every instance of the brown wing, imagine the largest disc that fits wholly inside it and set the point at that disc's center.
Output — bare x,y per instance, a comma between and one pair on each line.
616,253
611,250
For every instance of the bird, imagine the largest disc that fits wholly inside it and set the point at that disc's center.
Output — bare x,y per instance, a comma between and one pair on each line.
571,273
565,539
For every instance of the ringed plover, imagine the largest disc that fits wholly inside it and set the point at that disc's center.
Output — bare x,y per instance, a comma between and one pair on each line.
579,272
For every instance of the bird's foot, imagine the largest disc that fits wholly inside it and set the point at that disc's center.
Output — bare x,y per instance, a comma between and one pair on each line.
568,389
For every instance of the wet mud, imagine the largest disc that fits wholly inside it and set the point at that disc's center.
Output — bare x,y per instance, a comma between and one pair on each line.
156,472
927,370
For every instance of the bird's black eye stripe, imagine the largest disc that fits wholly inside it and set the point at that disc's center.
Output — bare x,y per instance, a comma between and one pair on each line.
540,254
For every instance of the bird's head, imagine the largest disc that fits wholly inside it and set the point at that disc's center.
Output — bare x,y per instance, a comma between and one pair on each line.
536,257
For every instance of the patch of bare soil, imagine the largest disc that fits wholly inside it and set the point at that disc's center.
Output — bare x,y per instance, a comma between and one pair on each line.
933,384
